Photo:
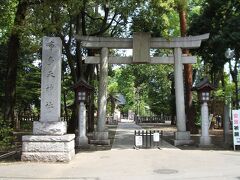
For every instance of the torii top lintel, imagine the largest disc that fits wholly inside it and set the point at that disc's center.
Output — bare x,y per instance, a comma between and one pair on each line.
141,43
189,42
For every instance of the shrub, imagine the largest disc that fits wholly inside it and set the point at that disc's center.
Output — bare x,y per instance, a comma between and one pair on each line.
6,135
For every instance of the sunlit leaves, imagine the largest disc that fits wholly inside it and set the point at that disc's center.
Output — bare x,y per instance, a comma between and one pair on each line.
218,18
7,14
147,85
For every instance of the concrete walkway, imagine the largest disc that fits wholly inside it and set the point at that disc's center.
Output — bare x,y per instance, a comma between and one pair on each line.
125,163
124,137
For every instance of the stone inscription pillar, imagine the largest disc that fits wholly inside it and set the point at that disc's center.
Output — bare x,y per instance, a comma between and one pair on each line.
181,136
205,139
101,135
50,89
49,141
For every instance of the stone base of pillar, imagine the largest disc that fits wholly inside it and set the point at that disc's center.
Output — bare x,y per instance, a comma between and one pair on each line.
182,138
100,138
205,141
82,142
47,148
49,128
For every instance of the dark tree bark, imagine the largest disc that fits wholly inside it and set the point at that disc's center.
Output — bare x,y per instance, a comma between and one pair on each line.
80,67
173,101
183,22
76,63
187,76
89,75
65,100
12,61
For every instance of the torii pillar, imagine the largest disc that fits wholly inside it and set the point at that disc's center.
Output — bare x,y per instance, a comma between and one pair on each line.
100,136
181,136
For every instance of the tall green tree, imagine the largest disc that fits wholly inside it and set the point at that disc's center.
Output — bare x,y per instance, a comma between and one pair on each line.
28,87
12,58
145,86
93,18
182,6
221,19
13,34
3,55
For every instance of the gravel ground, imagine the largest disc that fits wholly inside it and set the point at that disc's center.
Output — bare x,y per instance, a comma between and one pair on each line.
217,136
168,135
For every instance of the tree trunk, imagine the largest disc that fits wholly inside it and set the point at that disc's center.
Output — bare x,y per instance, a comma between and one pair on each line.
173,101
234,74
236,79
91,114
183,22
12,61
112,100
187,77
236,94
65,100
72,123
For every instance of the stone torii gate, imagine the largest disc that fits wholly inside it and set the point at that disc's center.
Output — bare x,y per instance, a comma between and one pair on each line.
141,44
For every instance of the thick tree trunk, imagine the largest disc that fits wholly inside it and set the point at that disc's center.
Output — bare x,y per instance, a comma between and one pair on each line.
89,74
236,94
72,124
112,103
12,60
236,78
187,77
234,74
65,99
173,101
91,114
10,83
81,69
183,22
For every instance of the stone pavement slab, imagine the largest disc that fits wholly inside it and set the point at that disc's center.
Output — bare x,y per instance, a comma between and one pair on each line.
129,164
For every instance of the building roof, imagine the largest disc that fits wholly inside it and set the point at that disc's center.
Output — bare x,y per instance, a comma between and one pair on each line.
203,84
83,83
121,99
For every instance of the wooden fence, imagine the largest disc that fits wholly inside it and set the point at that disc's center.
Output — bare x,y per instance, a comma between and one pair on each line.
26,121
151,119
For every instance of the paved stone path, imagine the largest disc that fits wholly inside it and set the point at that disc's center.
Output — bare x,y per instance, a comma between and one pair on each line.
124,138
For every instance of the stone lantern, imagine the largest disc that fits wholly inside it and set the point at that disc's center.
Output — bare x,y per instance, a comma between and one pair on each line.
82,93
204,88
